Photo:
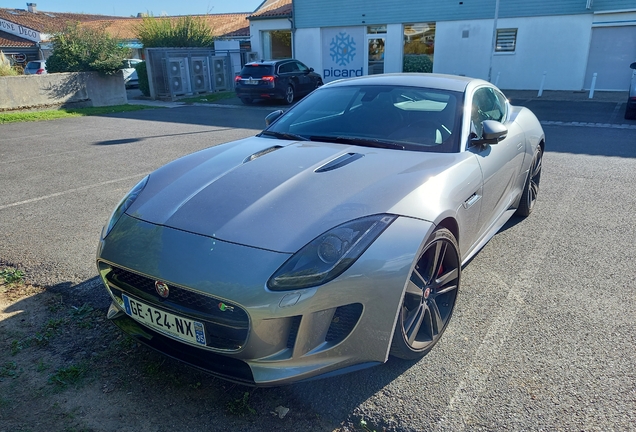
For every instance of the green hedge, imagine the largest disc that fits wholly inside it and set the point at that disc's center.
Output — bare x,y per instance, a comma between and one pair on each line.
417,63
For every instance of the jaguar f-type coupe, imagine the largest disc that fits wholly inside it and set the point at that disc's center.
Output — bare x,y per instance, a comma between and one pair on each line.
328,242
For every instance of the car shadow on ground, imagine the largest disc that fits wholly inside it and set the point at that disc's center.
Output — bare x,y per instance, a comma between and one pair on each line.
63,357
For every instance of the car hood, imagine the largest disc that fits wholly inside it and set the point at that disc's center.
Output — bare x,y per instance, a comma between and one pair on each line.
279,195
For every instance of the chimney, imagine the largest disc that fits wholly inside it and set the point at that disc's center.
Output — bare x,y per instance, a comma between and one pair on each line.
32,7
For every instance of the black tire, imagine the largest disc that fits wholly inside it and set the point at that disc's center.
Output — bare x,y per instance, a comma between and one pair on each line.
289,95
429,298
247,101
319,83
531,188
630,114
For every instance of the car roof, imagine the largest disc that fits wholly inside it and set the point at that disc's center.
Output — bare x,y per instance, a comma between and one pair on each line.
427,80
268,62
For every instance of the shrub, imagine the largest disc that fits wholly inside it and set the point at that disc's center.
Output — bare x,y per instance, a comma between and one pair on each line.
83,49
417,63
5,66
142,75
185,31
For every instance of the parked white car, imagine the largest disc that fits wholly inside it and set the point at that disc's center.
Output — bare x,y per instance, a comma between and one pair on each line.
36,67
130,73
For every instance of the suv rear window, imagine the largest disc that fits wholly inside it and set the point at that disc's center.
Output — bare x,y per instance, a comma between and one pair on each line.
257,71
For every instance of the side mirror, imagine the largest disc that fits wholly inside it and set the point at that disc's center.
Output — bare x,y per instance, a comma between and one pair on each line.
633,65
312,69
273,116
493,133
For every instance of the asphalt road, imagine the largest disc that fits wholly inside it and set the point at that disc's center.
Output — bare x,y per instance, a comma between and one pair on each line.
544,332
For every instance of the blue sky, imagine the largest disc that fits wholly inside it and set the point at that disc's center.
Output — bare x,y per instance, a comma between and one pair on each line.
132,7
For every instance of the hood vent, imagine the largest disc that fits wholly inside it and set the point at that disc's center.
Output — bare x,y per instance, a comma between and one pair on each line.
261,153
339,162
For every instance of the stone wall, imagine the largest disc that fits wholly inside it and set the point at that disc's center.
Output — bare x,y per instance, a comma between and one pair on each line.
75,89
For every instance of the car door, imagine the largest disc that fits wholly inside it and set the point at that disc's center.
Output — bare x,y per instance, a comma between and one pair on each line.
304,77
500,163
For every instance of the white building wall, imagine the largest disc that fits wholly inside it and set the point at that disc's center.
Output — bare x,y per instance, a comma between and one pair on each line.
557,45
393,48
308,48
257,26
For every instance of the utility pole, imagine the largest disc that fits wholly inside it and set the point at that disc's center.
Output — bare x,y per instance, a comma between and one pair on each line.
493,45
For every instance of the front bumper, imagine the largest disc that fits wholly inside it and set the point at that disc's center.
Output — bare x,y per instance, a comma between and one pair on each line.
282,337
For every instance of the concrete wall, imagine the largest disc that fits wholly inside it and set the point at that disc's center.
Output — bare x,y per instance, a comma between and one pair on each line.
77,89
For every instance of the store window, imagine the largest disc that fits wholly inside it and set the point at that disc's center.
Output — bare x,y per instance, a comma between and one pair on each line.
506,40
376,38
277,44
419,47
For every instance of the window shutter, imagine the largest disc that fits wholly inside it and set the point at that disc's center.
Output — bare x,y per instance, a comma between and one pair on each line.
506,40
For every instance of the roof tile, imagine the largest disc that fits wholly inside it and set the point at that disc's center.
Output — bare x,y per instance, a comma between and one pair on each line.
273,9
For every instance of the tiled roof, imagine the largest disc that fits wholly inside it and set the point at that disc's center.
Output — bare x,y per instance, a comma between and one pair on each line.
222,25
273,9
47,22
7,40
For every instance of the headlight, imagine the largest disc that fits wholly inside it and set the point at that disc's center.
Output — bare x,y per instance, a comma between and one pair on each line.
330,254
124,204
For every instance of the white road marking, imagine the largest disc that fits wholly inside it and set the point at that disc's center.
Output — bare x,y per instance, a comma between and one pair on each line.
69,191
459,415
594,125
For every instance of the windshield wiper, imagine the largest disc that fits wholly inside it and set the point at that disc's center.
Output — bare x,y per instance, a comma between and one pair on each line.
284,135
365,142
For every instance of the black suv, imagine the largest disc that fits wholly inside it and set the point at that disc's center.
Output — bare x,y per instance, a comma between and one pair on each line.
275,79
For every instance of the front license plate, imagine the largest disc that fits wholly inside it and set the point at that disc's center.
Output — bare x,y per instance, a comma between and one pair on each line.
179,327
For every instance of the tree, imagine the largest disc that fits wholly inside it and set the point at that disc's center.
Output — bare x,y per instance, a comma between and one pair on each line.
82,49
185,31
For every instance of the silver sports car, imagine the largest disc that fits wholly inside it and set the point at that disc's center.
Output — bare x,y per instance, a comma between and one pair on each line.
329,241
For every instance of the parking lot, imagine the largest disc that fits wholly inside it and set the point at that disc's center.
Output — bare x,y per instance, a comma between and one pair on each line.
543,336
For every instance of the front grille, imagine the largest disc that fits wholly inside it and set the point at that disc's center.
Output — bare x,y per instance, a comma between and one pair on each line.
344,320
226,324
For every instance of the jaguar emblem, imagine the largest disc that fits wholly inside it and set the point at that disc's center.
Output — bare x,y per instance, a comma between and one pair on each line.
162,289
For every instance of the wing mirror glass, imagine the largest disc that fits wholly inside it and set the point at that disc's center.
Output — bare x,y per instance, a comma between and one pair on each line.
272,117
493,133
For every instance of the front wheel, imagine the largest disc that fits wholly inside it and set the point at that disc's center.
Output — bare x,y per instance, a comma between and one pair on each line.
531,188
429,298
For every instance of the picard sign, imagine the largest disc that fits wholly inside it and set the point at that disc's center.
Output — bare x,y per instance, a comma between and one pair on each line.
342,52
20,31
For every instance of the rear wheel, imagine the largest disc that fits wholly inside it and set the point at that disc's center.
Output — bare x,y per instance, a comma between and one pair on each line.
531,189
289,95
429,298
630,113
247,101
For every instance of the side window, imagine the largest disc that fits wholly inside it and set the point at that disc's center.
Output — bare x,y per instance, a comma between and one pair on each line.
301,67
503,103
486,106
285,68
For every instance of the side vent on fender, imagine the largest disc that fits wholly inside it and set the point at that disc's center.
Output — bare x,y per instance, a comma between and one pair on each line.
339,162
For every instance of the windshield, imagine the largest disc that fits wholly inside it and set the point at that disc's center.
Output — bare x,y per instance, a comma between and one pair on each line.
409,118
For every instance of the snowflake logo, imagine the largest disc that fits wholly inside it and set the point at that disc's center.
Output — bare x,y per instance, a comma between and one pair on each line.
342,49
